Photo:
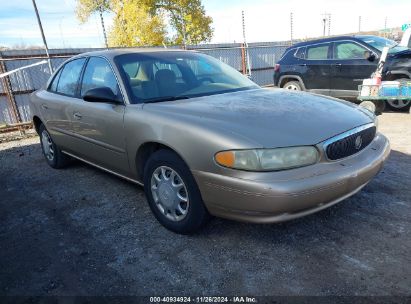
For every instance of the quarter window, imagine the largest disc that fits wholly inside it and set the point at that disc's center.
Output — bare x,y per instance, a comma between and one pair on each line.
69,77
300,53
349,50
318,52
98,74
53,86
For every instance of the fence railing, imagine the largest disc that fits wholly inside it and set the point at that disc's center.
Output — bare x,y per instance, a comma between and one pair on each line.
15,88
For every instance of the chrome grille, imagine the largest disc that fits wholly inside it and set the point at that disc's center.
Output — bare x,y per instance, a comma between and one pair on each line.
350,144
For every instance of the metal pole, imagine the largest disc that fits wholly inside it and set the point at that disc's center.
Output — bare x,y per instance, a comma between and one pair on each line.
42,35
359,24
291,25
324,21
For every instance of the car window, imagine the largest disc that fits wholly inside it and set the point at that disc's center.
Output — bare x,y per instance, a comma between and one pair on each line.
69,77
318,51
53,85
97,74
178,74
349,50
300,53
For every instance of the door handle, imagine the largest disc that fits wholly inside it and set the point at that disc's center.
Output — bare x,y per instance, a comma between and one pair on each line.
303,64
338,65
44,107
77,115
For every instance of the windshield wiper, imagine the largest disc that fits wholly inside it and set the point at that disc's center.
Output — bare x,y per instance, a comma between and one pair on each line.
165,98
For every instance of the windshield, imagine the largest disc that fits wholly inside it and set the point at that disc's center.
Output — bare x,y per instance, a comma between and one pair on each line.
163,76
380,42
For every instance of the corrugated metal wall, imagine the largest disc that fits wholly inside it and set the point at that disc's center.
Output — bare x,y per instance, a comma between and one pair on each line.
262,57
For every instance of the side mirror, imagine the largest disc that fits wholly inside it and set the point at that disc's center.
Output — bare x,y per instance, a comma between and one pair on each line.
102,94
370,56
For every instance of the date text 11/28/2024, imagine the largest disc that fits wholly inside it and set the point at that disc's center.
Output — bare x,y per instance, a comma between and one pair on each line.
204,299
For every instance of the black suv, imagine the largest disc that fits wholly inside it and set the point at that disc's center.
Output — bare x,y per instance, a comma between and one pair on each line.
336,66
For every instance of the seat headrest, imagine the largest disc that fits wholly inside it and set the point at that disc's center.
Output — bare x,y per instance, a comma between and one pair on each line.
165,76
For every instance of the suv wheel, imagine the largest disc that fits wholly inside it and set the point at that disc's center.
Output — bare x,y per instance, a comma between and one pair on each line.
173,194
292,85
399,105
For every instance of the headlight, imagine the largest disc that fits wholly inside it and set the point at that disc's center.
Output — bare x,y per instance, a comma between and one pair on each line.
268,159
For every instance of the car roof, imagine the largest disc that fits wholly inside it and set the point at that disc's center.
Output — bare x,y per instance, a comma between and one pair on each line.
111,53
329,39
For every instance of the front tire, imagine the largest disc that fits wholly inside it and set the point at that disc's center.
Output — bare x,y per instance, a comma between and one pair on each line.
52,153
173,194
293,86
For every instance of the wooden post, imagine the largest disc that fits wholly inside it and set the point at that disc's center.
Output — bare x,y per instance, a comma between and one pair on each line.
10,96
243,59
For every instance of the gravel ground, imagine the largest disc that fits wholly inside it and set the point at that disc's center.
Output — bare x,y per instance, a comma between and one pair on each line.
80,231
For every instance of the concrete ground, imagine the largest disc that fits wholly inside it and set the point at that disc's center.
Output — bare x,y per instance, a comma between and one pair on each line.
80,231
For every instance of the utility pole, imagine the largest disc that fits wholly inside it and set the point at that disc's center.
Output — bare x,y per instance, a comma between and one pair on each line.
248,69
329,24
42,36
291,25
359,24
100,9
326,19
385,28
324,23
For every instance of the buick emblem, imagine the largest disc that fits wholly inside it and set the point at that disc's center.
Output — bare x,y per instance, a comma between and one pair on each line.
358,142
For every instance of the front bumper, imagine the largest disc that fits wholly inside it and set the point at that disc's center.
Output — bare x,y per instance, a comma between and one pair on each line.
285,195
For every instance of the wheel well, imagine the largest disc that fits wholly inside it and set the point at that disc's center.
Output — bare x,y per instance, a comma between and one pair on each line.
398,76
144,152
287,79
37,122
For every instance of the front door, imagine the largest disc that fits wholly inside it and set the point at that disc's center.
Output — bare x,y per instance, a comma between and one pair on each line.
98,126
349,67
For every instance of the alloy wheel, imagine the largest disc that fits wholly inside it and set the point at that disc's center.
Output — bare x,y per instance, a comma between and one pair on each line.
399,104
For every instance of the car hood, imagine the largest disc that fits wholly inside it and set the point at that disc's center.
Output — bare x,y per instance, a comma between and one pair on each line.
270,118
401,54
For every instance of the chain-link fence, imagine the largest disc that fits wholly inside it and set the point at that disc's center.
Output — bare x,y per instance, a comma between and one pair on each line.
17,86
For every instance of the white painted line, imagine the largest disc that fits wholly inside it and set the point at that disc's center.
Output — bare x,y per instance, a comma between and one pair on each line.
22,68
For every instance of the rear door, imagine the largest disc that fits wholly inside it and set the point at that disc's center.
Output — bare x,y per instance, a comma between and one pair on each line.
98,126
57,101
317,76
349,68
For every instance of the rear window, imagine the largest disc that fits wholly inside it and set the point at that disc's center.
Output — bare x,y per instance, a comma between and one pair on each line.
318,52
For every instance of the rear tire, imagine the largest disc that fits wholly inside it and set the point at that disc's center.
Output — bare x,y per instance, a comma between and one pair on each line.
293,86
399,105
173,194
52,153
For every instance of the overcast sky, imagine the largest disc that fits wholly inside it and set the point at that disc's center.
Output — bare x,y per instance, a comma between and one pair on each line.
266,20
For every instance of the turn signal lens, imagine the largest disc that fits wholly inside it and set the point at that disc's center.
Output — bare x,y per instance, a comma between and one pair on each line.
225,158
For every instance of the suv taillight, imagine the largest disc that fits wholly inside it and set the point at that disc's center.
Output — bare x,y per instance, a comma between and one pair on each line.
277,68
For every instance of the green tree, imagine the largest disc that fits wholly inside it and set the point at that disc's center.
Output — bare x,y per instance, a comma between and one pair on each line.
85,8
135,26
142,22
188,18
